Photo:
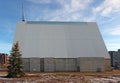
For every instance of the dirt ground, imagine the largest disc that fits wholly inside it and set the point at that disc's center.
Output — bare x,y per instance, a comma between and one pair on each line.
65,77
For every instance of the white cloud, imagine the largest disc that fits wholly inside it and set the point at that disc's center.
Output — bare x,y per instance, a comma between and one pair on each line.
66,3
113,46
113,31
108,7
70,10
113,43
79,3
106,11
74,5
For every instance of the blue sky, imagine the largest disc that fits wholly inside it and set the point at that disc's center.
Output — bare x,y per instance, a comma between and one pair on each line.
105,12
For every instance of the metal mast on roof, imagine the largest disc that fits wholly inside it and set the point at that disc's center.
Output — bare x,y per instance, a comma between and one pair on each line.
23,17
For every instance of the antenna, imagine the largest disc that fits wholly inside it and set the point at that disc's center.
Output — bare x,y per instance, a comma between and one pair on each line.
23,18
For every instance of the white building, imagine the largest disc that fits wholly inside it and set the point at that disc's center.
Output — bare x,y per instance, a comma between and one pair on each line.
61,46
60,39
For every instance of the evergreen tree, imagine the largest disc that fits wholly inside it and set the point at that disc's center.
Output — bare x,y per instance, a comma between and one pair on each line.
15,68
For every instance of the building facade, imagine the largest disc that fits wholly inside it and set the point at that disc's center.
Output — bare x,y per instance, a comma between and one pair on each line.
115,59
3,59
61,42
81,64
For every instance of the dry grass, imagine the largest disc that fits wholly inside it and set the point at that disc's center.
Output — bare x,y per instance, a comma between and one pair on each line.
59,77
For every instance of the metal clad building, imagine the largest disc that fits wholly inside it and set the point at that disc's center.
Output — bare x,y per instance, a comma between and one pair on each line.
61,46
60,39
